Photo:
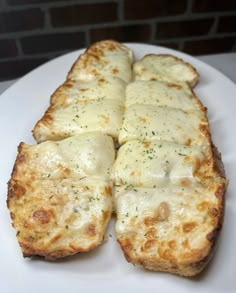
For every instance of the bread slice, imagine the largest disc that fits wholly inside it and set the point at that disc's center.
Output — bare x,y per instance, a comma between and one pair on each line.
90,154
60,195
160,163
171,229
149,122
165,67
105,58
62,217
101,88
104,116
162,94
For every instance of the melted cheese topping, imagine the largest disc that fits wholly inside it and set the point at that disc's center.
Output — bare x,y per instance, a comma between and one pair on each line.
102,88
169,224
90,154
56,218
60,195
159,93
103,116
107,58
166,68
149,122
155,163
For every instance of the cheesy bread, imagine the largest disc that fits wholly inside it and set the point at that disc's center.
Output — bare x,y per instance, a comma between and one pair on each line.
149,122
101,88
162,94
104,116
164,67
61,217
166,182
156,163
90,154
105,58
171,229
60,192
170,182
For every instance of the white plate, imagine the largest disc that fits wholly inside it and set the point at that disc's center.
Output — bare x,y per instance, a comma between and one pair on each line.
105,268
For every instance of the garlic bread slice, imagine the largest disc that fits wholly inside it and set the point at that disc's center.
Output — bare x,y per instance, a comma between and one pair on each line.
165,67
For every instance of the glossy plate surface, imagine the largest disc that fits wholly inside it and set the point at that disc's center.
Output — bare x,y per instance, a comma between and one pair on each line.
105,269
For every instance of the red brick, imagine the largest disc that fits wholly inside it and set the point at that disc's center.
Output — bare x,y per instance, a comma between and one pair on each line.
52,42
210,46
141,9
213,5
17,68
227,24
8,48
131,33
183,28
83,14
22,20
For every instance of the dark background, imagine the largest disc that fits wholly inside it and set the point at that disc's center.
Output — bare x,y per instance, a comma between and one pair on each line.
35,31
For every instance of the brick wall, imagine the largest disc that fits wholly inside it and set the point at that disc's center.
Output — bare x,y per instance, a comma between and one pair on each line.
35,31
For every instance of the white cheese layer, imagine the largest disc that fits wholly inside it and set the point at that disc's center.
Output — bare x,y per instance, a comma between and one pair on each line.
90,154
147,122
154,163
165,68
103,88
56,218
183,215
159,93
103,116
107,58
